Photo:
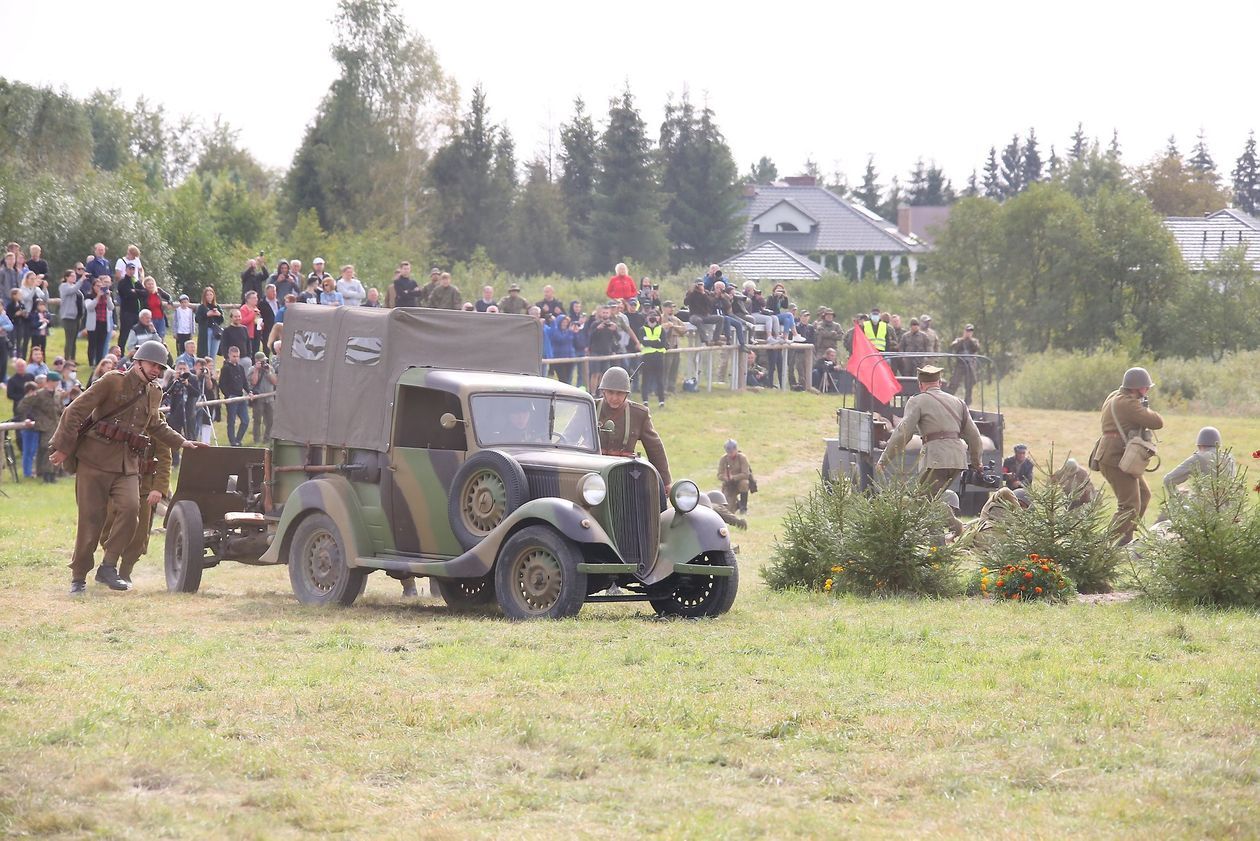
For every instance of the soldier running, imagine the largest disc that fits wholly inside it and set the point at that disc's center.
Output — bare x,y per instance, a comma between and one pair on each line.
944,424
1125,414
105,433
155,485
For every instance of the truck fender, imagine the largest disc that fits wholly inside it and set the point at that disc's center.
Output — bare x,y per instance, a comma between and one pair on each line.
568,518
334,496
686,536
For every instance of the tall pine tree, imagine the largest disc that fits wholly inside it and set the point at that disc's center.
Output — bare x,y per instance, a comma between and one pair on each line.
702,210
626,219
579,165
868,195
762,172
540,240
1246,177
916,191
992,176
1202,167
1079,145
1012,168
1031,160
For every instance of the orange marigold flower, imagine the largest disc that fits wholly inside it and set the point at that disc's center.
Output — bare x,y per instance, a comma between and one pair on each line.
1045,568
1028,575
1256,454
1015,596
1033,557
1001,582
1036,589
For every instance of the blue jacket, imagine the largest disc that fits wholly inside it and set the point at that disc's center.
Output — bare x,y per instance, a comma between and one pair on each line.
558,343
98,266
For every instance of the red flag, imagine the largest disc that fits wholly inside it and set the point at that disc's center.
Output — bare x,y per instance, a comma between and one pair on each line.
871,369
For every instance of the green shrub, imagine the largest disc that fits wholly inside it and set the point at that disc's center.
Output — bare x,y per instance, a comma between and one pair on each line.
1075,381
809,541
893,543
1080,539
1210,553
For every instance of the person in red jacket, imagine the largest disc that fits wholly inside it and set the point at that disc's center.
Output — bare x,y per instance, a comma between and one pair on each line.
622,285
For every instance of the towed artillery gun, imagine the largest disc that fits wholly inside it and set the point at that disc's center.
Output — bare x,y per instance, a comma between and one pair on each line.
865,428
423,442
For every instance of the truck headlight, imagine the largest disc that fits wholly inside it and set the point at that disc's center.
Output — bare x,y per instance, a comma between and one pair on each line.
593,489
685,496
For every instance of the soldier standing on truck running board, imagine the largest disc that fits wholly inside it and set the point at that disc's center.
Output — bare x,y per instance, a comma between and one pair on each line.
943,422
104,434
623,424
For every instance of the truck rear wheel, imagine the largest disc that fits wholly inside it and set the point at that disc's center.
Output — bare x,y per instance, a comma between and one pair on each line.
487,488
536,575
696,596
185,547
319,571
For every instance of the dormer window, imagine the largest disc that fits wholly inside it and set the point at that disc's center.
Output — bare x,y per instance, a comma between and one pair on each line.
785,227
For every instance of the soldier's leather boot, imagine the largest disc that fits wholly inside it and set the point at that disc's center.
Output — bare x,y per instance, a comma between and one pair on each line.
108,576
78,588
743,503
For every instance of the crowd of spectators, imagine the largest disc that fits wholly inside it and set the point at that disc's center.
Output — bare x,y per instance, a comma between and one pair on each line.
231,350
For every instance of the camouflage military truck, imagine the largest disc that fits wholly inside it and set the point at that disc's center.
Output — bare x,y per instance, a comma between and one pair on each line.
422,442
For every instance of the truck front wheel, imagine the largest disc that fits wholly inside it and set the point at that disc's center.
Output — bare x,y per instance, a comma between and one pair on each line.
319,571
696,596
536,575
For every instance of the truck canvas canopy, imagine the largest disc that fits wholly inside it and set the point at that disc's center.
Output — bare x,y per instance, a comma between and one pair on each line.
341,364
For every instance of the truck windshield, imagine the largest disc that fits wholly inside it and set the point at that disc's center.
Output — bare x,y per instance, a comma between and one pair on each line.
541,419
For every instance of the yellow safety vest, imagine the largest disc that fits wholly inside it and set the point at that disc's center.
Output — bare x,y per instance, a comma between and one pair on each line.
652,334
879,339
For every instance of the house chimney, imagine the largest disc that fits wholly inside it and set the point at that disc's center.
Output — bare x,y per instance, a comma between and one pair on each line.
801,181
903,219
750,190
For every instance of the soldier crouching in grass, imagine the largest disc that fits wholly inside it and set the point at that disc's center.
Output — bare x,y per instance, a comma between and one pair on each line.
103,436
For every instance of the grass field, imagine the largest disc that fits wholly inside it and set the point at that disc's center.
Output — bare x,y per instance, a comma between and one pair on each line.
238,713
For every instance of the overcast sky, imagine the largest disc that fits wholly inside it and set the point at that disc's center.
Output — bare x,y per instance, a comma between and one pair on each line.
831,81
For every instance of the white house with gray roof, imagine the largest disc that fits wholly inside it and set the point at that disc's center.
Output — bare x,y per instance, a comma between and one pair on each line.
801,217
1203,240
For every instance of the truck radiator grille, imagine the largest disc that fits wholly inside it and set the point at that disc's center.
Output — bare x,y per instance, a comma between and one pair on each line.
542,483
634,511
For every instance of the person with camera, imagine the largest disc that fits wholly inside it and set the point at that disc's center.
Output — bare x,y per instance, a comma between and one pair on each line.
234,382
826,371
702,309
1126,417
603,336
262,380
950,438
177,400
103,435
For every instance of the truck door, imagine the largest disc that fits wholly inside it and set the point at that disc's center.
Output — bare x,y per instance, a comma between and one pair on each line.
423,461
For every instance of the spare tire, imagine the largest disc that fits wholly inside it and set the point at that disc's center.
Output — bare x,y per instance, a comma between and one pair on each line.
487,488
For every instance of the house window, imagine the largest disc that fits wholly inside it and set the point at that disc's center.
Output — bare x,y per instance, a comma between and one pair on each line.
785,227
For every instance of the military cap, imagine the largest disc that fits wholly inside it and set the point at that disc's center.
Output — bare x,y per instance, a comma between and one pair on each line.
930,372
805,312
969,327
515,287
914,321
925,317
54,377
260,355
826,311
633,303
1021,448
434,271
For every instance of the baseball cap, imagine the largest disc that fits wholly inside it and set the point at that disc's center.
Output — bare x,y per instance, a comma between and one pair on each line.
183,297
318,261
515,287
970,327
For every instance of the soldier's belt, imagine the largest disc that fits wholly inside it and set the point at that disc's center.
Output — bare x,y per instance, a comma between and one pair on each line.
941,436
137,442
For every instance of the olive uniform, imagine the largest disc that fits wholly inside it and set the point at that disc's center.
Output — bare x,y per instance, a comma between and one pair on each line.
827,334
44,407
1074,480
514,304
1132,493
734,473
160,481
964,375
944,424
632,425
109,470
445,298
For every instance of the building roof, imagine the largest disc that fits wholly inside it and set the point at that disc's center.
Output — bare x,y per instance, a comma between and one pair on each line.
1204,239
789,203
843,227
923,221
768,261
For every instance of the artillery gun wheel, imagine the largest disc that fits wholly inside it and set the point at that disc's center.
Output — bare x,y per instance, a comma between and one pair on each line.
536,575
487,488
185,547
319,571
467,593
696,596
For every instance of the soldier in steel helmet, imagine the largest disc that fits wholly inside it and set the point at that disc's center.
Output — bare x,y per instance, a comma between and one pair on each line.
717,501
1201,462
735,474
104,435
951,441
624,424
1126,414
